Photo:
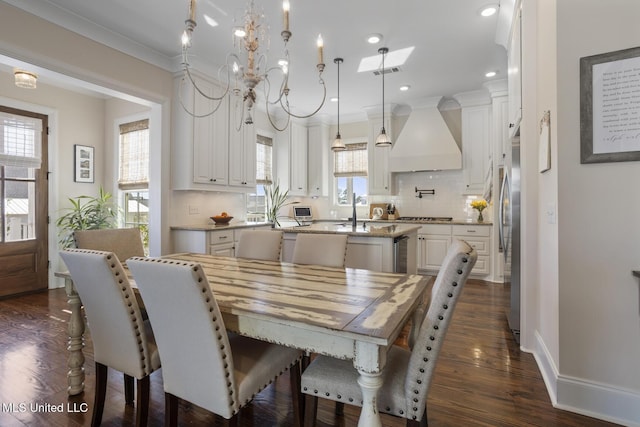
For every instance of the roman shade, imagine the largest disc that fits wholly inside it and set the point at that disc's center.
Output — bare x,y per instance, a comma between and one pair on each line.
134,155
353,161
20,141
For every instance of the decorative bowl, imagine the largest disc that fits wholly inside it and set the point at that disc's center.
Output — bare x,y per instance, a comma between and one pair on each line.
221,219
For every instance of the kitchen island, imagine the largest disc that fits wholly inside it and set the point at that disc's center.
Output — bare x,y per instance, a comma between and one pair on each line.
387,248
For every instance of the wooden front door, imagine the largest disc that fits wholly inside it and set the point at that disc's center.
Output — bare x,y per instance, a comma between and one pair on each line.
23,203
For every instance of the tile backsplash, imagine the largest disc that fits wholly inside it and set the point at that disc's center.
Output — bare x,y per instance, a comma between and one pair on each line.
192,207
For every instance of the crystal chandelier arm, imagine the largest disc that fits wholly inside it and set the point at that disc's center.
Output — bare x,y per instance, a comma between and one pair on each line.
267,87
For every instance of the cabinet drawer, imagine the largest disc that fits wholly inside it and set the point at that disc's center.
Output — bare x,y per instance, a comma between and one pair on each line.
437,229
483,266
481,245
471,230
216,237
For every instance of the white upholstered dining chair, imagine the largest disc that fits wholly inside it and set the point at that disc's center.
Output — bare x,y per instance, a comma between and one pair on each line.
260,244
201,363
122,340
408,373
329,250
124,242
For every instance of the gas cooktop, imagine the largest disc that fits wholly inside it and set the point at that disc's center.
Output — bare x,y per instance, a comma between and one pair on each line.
425,218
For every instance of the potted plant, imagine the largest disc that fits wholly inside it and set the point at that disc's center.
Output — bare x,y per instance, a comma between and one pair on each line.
86,213
275,200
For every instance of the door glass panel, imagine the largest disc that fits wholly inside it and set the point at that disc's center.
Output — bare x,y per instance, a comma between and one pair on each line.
19,203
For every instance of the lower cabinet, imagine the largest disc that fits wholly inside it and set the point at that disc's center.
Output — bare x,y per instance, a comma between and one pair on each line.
434,241
214,242
479,237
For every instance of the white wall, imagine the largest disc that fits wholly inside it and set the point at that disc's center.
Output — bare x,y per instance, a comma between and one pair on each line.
589,307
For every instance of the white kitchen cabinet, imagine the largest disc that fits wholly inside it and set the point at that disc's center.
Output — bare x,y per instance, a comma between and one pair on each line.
476,154
318,160
214,242
514,73
242,148
298,146
200,149
502,143
379,177
479,237
433,243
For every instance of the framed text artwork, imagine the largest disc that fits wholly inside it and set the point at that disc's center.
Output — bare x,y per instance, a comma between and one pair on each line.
610,107
83,163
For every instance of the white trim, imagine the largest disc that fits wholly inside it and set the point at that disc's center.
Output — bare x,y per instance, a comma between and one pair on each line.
588,398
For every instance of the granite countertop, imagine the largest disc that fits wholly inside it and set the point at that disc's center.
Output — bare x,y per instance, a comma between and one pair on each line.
216,227
329,224
371,230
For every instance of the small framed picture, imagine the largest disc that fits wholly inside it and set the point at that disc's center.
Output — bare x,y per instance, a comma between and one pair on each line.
84,163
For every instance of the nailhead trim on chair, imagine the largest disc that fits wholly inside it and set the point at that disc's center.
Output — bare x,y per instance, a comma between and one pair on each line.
228,374
127,296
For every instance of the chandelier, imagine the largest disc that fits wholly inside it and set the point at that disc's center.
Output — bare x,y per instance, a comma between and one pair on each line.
247,69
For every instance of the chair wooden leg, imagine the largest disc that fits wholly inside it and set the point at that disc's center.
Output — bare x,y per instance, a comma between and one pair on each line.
142,411
297,398
170,410
339,408
101,392
310,410
128,389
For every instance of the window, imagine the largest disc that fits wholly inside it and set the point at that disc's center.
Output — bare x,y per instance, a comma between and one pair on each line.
350,169
20,156
256,205
133,179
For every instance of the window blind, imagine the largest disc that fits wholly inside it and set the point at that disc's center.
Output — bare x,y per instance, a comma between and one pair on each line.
264,150
351,162
134,155
20,141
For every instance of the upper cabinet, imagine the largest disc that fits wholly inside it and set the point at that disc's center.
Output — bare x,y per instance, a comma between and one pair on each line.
476,139
242,148
318,160
379,173
514,73
208,152
200,148
298,160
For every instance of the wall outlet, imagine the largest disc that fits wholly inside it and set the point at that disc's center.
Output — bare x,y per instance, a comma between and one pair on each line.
193,210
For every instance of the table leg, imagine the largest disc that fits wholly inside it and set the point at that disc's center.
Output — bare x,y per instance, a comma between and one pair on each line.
75,362
369,384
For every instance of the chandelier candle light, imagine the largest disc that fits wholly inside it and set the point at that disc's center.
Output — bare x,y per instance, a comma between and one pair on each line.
254,71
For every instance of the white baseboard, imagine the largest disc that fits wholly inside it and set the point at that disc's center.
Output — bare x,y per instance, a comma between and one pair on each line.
586,397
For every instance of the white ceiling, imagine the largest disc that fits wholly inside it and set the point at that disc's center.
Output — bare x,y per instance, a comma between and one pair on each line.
454,45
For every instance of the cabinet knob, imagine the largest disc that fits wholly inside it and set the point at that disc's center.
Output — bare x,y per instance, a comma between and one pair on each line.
511,125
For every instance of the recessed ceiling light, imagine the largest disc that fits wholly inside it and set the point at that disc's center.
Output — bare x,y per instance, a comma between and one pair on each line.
491,74
210,21
489,10
334,99
374,38
405,88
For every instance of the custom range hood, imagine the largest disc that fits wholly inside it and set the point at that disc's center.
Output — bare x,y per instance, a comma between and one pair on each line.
425,142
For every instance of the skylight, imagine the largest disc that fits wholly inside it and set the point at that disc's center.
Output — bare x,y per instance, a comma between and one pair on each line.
394,58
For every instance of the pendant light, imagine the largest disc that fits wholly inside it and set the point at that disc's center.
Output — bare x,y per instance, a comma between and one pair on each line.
383,139
338,145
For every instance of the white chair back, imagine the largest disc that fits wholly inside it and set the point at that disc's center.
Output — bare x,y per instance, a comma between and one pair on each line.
197,364
260,244
119,337
329,250
453,274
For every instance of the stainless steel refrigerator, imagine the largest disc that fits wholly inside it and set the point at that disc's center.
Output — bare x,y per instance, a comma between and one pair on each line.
509,217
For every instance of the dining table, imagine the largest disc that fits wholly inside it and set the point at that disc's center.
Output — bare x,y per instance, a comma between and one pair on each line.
346,313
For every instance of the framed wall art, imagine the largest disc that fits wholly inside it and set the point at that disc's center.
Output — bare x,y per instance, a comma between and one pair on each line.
83,163
610,107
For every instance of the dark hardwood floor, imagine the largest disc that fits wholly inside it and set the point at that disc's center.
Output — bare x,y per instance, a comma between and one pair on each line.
482,378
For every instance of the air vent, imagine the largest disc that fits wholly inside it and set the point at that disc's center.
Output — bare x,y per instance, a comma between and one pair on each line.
387,71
